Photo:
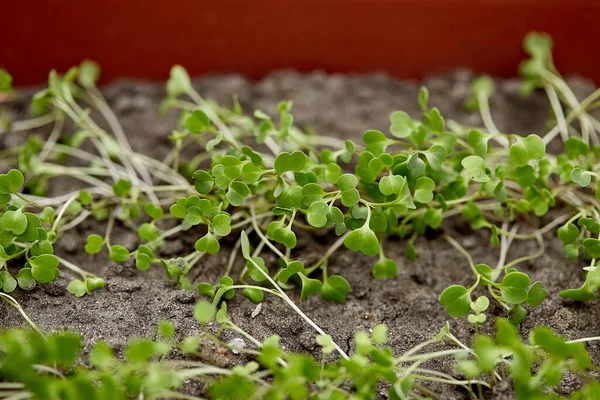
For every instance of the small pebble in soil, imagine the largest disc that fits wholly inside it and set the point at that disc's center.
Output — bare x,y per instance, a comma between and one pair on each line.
238,343
185,297
256,311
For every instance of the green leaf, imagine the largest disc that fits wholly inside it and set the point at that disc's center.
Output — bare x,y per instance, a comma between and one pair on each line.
89,73
179,81
206,289
363,240
479,142
289,162
254,295
255,266
380,333
198,122
25,279
391,184
536,294
122,188
592,247
436,120
575,147
385,268
101,355
480,305
475,167
148,231
3,256
517,314
7,282
457,300
485,271
317,213
44,268
525,149
483,86
424,190
142,261
310,286
85,198
77,288
222,224
14,221
139,350
476,318
326,342
285,236
514,287
5,81
423,98
203,182
208,244
311,192
255,158
33,230
118,253
154,212
402,124
591,225
538,45
252,173
204,311
346,182
581,177
289,196
436,155
335,288
291,269
237,192
583,293
166,329
416,165
571,251
375,141
245,244
12,181
524,176
92,283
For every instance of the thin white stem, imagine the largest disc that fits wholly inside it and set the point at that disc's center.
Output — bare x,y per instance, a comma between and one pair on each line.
83,273
11,300
38,122
62,212
80,218
558,112
289,301
52,139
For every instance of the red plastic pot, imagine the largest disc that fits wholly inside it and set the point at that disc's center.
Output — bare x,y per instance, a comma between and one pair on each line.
407,38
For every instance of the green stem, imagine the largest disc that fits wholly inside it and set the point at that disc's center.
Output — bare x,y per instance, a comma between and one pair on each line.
11,300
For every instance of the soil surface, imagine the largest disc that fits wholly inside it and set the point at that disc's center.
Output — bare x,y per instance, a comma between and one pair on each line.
133,301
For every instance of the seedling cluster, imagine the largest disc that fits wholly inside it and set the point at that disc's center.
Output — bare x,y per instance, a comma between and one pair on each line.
262,180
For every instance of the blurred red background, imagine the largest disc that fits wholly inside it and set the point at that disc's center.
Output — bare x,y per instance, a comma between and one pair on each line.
407,38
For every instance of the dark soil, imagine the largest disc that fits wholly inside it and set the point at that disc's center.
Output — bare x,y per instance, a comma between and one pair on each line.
134,301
